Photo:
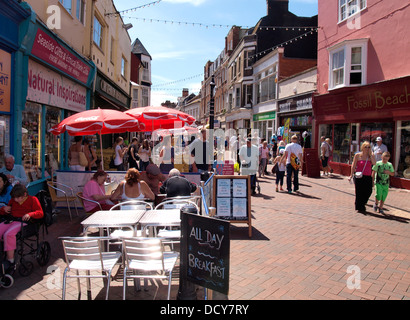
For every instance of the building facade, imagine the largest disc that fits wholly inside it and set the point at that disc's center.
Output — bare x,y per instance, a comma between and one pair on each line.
364,80
140,75
281,44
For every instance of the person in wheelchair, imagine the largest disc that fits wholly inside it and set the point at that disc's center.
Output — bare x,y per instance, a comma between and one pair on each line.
21,208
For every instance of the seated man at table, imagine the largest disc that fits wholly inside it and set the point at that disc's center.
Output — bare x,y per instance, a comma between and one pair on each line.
14,172
152,176
95,191
176,185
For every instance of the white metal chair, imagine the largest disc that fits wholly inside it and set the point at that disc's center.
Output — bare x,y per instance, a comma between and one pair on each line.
86,254
146,259
129,205
172,235
83,200
133,205
67,194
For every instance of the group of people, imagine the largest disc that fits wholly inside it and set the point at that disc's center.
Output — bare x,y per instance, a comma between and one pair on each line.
371,168
136,186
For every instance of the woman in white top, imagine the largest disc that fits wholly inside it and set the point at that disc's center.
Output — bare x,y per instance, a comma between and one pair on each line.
144,153
119,154
132,188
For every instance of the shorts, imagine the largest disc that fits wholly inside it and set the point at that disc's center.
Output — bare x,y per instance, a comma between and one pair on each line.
324,162
381,191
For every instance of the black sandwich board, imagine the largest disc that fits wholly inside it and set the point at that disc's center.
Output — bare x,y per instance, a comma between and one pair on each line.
205,250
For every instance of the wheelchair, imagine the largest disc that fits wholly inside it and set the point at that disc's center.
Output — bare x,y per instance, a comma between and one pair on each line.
29,243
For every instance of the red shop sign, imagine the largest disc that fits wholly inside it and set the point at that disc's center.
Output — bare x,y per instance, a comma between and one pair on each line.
50,51
381,98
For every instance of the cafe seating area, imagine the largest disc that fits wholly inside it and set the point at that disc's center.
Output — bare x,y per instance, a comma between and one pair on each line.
137,237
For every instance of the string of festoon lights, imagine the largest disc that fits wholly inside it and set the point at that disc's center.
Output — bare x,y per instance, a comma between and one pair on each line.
134,9
285,43
178,81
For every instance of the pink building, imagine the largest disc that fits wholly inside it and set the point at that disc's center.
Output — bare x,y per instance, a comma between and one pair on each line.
364,80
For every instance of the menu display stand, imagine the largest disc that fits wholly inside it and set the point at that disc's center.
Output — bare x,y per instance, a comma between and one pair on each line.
232,199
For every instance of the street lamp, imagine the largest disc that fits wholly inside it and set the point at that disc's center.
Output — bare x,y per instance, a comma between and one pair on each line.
212,104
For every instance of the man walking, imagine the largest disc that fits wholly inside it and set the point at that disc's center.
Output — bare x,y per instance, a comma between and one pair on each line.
379,148
293,155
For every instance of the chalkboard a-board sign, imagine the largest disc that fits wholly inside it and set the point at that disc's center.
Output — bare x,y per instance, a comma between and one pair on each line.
205,250
232,199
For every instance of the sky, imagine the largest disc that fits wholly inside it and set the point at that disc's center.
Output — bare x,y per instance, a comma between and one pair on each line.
190,33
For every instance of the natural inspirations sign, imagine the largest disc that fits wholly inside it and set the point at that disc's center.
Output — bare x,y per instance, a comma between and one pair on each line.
206,248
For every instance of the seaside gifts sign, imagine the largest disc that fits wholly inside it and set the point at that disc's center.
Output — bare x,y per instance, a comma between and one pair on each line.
205,250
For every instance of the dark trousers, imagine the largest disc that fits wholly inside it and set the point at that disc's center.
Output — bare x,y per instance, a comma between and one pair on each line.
364,189
253,182
289,172
279,177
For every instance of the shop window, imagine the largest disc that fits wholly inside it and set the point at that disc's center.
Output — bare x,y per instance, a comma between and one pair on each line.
370,132
341,143
403,168
31,117
52,146
4,138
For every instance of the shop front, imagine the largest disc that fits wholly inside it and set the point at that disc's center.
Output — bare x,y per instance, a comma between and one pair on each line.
59,84
239,119
350,116
13,17
265,123
295,116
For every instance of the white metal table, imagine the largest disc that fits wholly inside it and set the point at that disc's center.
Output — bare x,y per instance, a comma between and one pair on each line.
114,219
161,218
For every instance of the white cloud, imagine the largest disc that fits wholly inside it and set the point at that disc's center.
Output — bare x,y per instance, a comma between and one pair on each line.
193,2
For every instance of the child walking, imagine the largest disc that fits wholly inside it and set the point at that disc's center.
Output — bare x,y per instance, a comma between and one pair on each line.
381,173
280,172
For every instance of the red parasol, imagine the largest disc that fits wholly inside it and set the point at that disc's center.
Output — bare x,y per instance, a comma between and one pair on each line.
154,118
101,121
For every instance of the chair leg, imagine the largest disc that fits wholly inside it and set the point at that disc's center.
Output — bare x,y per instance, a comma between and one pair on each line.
89,297
78,285
124,287
64,283
69,209
108,285
169,285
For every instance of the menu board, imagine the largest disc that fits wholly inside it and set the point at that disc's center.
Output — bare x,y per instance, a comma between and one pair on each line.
232,199
205,251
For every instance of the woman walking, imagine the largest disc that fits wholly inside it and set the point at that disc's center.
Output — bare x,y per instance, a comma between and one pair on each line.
362,172
119,154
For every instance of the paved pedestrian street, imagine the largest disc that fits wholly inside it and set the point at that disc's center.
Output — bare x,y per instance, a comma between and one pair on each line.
307,246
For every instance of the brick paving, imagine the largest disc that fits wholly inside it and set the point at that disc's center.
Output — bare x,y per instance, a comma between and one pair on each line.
301,248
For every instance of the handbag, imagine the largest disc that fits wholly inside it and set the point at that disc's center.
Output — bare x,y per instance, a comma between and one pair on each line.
359,174
83,159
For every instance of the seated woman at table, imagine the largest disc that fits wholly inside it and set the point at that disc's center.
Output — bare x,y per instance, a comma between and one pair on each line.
132,188
94,190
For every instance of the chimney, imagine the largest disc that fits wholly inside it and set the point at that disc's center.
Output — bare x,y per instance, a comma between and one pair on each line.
277,6
185,93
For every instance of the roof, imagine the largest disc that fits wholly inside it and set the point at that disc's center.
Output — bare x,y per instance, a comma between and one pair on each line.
138,48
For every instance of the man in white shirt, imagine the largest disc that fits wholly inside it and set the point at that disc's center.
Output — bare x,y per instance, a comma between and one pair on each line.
14,172
249,158
379,148
293,150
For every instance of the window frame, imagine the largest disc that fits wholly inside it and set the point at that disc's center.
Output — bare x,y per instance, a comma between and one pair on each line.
347,47
80,11
101,33
345,8
64,4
